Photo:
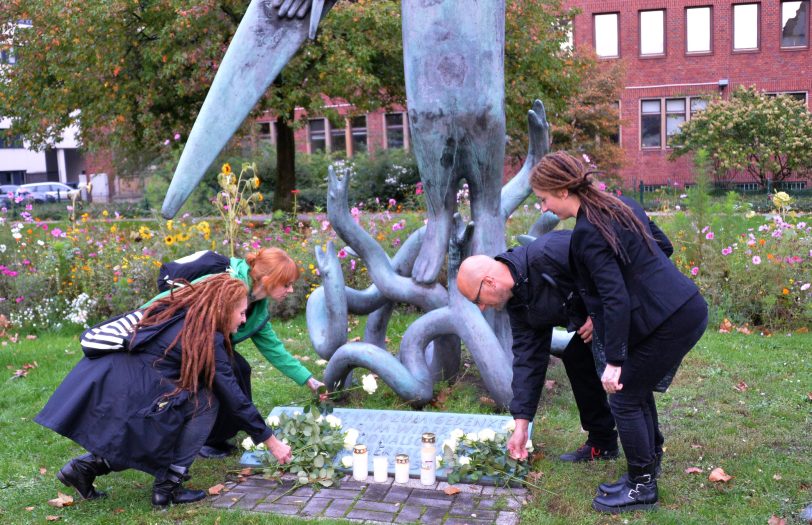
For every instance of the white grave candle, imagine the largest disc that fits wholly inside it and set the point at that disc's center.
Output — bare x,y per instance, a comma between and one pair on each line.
401,468
380,468
360,463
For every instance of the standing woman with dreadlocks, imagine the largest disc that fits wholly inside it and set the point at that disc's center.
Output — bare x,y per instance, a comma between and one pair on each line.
147,392
646,315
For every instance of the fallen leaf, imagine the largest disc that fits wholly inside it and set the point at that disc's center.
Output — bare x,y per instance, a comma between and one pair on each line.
356,339
247,472
535,476
809,396
696,446
118,511
775,520
766,332
441,398
549,385
61,500
741,386
450,491
4,322
726,327
693,470
744,329
777,477
43,470
215,490
29,509
802,330
718,474
31,337
485,400
53,518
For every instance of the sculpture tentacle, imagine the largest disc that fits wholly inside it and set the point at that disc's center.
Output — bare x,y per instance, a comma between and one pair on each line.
326,311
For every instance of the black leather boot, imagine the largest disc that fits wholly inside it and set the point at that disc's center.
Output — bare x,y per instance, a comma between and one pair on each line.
80,472
639,493
169,490
617,486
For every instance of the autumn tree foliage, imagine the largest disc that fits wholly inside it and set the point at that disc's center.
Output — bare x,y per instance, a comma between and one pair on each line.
768,137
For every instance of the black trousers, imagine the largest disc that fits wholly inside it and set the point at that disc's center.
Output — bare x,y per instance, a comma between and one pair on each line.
647,364
226,425
199,417
593,407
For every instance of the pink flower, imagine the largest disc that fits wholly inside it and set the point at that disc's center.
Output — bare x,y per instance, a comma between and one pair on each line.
324,225
397,226
177,136
342,253
602,186
709,236
56,232
166,142
355,212
418,190
19,299
392,203
694,270
805,287
352,264
287,229
727,251
756,259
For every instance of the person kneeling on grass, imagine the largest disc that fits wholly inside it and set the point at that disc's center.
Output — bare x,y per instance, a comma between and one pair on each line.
147,392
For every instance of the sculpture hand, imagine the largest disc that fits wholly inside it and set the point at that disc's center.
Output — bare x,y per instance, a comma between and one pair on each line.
538,130
292,8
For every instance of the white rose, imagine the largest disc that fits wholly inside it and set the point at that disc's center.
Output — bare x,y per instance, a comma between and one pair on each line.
510,426
261,446
464,460
486,434
296,413
273,421
451,444
457,433
248,443
321,362
472,437
350,438
319,419
439,460
529,445
369,384
333,421
346,461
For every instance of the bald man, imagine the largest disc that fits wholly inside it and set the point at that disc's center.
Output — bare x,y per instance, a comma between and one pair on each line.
533,283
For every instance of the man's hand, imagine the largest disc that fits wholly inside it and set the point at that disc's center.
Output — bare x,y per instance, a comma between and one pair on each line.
518,440
279,450
585,332
314,385
611,379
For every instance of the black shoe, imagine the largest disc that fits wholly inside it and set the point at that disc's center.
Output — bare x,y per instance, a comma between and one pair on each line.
589,453
80,472
617,486
639,492
169,490
216,452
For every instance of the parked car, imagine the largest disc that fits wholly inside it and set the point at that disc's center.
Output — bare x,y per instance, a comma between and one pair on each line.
7,193
44,191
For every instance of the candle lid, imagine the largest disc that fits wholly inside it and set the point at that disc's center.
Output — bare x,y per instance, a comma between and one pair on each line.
401,458
428,437
360,449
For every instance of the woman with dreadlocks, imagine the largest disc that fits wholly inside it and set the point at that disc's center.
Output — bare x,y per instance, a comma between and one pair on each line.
147,392
646,315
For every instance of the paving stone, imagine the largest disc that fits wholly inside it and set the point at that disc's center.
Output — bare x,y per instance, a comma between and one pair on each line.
428,502
360,514
409,513
226,501
278,508
486,503
304,492
352,484
376,492
316,506
250,499
414,483
433,494
489,515
433,516
465,488
339,493
397,494
465,499
467,521
289,500
507,518
363,504
338,508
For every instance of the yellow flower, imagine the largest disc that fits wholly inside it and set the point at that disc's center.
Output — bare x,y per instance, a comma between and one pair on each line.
260,198
256,182
226,168
169,224
105,213
310,266
785,291
113,229
145,232
169,240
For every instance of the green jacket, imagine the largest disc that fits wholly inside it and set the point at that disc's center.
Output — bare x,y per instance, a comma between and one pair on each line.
258,327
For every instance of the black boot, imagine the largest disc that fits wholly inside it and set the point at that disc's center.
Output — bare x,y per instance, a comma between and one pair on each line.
639,493
168,490
617,486
80,472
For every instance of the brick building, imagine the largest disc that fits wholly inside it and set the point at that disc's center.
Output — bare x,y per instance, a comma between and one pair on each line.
677,52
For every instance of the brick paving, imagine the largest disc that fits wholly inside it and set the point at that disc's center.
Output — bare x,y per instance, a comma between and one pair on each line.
371,502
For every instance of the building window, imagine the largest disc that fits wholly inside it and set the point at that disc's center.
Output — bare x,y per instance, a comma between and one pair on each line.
265,130
674,117
797,95
10,141
318,139
697,105
698,30
795,24
395,131
566,27
606,35
8,56
338,138
745,27
358,127
614,138
650,123
652,32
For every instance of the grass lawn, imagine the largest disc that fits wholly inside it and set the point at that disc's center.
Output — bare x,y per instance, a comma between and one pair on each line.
760,434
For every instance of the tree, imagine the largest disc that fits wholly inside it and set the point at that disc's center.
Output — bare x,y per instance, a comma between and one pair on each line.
769,137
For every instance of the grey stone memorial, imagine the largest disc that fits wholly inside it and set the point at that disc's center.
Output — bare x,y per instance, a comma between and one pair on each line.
392,432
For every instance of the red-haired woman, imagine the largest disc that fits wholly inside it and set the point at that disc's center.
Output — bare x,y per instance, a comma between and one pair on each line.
148,391
646,315
269,274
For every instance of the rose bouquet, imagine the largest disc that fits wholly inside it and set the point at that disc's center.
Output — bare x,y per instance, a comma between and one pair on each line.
476,455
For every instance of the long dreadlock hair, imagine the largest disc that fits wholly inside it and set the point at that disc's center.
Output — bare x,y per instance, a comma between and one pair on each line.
208,305
561,171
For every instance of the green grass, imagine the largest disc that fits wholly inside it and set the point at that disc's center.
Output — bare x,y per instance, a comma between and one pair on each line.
757,435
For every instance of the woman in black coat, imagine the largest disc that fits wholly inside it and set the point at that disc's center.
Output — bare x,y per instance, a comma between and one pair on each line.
646,315
147,392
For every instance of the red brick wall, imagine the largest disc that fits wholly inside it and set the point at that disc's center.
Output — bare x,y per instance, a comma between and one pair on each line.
677,74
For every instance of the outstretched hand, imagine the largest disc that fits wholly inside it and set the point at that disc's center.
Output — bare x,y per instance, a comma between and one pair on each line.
517,444
280,450
314,385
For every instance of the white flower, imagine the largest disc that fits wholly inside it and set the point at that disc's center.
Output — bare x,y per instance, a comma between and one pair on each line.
346,461
319,419
529,445
472,437
296,413
464,460
350,438
273,421
333,421
457,433
451,444
2,248
369,384
510,426
321,362
248,444
486,434
439,460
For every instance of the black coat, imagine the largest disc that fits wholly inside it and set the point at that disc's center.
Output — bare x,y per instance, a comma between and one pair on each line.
626,301
544,297
116,406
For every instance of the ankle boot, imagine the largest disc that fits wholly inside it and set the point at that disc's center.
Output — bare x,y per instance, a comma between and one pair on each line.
617,486
639,492
80,472
169,490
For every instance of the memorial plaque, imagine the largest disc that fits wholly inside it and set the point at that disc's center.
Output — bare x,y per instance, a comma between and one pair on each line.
392,432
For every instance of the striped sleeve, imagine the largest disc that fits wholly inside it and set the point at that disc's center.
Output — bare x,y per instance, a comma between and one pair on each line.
111,336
